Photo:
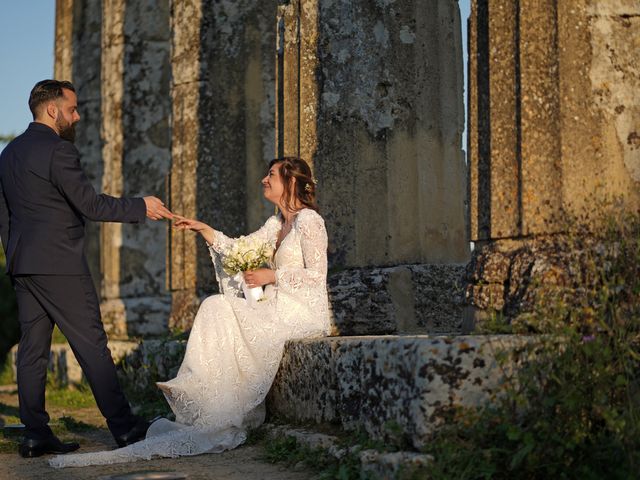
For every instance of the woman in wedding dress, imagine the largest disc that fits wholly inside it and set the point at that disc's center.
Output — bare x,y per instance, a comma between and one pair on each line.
235,347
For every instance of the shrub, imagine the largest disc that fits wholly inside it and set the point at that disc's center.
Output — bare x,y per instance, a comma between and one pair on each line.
573,408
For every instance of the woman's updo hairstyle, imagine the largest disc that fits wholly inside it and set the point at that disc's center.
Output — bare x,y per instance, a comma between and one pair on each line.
304,189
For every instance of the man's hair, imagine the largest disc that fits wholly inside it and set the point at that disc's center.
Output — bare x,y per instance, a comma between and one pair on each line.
45,91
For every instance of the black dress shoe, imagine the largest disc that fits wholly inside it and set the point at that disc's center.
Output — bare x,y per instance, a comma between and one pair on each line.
137,433
30,447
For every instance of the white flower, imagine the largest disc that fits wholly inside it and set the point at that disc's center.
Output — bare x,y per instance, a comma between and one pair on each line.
246,254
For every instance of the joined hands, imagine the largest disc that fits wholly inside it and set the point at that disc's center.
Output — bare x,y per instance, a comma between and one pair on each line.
183,223
156,209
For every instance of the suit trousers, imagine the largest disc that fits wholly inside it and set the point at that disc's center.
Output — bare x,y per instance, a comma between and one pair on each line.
69,301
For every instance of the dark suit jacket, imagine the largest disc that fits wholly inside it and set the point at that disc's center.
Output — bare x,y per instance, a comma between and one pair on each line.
45,198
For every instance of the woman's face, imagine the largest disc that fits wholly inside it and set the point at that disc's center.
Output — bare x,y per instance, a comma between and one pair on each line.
272,185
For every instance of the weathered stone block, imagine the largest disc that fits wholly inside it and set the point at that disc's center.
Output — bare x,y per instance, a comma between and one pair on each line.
222,131
409,298
310,366
438,298
390,383
486,296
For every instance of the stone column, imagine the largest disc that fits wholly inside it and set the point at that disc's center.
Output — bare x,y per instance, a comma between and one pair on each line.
222,132
553,122
375,92
370,93
77,58
64,39
136,152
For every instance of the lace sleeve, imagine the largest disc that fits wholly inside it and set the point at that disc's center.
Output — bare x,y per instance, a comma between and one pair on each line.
313,240
267,233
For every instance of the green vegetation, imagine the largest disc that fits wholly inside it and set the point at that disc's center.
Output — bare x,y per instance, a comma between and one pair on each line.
6,372
287,450
76,396
57,336
9,415
573,409
347,467
6,138
64,427
140,371
70,424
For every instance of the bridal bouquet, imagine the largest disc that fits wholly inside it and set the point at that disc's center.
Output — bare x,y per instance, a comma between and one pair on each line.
247,254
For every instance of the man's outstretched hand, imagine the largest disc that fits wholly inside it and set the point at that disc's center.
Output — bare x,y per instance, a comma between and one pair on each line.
156,209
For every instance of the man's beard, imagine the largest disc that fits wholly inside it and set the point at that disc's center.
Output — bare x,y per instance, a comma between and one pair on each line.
67,131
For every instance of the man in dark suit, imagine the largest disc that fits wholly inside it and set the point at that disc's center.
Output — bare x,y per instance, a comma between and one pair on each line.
45,198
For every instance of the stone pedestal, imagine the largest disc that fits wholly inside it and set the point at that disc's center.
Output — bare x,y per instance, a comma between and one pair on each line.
553,122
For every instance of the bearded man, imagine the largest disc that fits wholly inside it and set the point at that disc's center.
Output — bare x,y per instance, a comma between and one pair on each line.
45,199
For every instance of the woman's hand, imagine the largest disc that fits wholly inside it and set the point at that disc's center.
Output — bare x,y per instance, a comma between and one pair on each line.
182,223
259,277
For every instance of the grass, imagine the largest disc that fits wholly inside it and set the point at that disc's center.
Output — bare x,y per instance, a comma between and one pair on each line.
287,450
6,372
77,396
8,415
57,336
70,424
64,427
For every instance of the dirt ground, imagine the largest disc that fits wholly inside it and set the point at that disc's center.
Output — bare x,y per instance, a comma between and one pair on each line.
243,463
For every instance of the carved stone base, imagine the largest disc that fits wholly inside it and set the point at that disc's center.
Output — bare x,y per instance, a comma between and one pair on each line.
507,277
421,298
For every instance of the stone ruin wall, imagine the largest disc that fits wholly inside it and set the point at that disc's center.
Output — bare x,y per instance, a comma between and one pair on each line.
554,124
190,99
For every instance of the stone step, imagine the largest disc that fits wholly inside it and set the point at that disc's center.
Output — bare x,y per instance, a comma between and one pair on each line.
373,463
389,386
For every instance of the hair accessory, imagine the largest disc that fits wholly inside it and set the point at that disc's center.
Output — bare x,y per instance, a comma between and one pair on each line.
307,187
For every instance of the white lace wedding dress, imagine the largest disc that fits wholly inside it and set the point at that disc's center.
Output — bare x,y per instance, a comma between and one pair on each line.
234,350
